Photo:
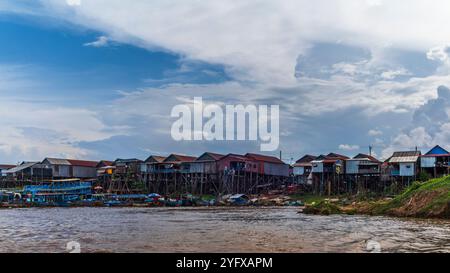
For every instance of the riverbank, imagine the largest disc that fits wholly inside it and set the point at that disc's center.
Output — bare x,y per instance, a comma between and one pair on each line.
421,200
430,199
156,200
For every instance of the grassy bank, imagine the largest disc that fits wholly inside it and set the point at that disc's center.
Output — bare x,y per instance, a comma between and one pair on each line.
429,199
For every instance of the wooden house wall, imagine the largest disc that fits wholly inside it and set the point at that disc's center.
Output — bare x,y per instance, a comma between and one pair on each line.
61,170
154,167
84,172
209,167
41,171
275,169
226,162
132,167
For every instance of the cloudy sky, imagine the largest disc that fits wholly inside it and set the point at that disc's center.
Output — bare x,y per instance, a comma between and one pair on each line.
97,79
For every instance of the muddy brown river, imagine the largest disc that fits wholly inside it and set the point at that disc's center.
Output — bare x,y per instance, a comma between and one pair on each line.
213,230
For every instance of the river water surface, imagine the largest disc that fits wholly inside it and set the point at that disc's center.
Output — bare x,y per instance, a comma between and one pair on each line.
213,230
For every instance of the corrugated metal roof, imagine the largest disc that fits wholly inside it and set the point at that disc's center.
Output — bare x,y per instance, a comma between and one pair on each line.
366,157
155,159
21,167
407,153
320,157
106,162
264,158
403,159
57,161
179,158
331,160
5,166
306,159
335,155
127,160
436,155
83,163
214,156
72,162
235,156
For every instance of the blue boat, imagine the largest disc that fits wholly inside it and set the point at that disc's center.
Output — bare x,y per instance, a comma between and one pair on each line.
113,203
239,200
58,192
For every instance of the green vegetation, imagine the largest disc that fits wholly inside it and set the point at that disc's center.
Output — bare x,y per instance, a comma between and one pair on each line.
424,176
428,199
323,208
207,197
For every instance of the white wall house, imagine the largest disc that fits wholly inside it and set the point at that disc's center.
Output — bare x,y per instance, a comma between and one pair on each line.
317,166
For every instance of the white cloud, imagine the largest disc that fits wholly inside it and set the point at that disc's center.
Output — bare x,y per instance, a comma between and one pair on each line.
392,74
375,132
430,126
39,130
35,126
348,147
100,42
351,69
439,53
409,141
73,2
261,40
322,96
374,3
417,137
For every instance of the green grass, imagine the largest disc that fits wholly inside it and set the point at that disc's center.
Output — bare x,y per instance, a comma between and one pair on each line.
439,188
208,197
323,208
